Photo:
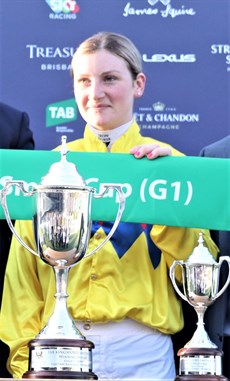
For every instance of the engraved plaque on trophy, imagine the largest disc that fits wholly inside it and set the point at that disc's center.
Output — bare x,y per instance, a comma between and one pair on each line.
200,358
62,227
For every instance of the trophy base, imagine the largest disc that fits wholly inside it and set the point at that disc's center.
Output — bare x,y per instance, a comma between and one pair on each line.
60,359
200,364
60,375
201,377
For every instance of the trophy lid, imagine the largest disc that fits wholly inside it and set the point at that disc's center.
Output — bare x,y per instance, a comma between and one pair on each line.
63,173
201,254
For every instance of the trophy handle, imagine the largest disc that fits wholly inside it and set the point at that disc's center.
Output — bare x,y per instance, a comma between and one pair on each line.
221,260
3,193
172,276
121,196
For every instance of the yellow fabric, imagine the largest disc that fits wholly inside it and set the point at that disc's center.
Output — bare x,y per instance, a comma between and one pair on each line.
127,286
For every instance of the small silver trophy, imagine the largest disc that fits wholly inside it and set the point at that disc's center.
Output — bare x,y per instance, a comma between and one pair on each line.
200,359
62,227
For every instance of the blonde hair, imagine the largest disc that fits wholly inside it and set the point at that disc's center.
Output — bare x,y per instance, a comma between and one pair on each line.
114,43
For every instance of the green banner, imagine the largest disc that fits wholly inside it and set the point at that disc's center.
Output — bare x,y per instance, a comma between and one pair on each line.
175,191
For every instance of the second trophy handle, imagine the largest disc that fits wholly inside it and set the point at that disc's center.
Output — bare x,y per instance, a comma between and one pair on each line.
221,260
121,207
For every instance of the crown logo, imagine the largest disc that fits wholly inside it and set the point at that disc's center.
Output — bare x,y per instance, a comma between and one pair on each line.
158,106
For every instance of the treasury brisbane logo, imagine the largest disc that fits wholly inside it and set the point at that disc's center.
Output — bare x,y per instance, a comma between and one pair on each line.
60,113
159,116
63,9
50,58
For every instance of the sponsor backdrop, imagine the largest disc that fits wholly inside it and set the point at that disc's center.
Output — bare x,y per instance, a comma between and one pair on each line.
185,46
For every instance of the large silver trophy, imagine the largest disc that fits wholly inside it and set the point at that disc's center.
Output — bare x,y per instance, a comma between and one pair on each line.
200,359
62,227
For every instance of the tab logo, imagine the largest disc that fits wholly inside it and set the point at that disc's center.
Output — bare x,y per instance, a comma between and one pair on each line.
61,112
